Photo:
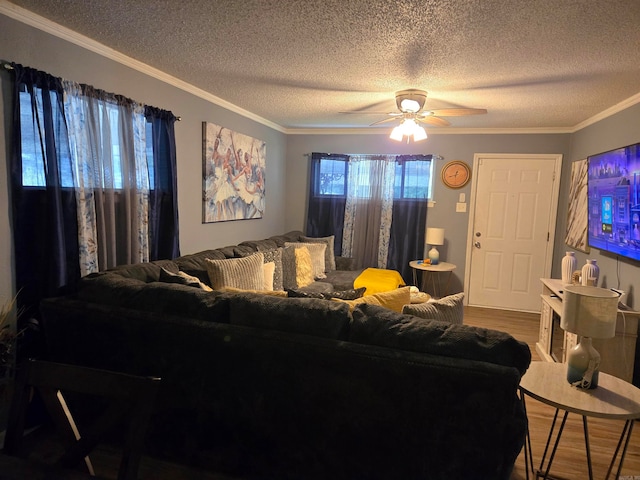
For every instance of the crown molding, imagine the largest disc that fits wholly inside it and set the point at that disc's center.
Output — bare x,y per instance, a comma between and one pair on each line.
442,131
617,108
29,18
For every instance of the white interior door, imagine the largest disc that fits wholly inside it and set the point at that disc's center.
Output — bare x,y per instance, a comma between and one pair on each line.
511,229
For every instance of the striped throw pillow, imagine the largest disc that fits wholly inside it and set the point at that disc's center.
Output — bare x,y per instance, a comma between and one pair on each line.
245,272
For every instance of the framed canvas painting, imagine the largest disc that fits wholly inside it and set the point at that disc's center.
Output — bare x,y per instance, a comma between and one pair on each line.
233,173
577,229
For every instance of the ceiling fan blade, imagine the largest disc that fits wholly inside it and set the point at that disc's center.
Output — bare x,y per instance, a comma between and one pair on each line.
431,120
458,112
384,120
396,114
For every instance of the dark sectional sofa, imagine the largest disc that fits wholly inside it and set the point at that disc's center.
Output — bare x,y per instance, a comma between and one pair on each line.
266,387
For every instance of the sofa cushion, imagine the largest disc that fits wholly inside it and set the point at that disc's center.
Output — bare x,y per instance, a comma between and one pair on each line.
109,288
329,253
448,309
243,272
292,236
393,299
183,279
350,294
309,316
260,245
316,250
145,271
374,325
181,301
196,261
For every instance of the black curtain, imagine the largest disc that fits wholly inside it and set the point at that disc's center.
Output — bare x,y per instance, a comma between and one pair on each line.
45,235
406,238
44,219
408,226
325,214
163,208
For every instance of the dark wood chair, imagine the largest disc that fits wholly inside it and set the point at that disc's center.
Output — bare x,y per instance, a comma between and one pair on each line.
130,399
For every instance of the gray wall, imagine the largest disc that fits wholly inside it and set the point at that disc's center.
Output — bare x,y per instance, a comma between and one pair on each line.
287,161
613,132
450,147
28,46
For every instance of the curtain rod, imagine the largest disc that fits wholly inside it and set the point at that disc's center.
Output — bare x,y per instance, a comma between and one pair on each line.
8,66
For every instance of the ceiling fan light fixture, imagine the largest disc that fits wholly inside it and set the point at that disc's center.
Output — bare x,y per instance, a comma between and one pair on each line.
397,133
410,128
419,133
408,105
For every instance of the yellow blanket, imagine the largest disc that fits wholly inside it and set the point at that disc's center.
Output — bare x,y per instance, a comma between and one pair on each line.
378,280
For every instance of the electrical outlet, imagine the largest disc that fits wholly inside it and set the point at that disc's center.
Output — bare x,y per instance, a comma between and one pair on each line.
461,207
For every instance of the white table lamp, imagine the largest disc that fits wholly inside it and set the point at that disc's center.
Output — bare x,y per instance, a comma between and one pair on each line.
589,312
435,236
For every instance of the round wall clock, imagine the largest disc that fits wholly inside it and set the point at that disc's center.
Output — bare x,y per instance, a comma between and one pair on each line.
456,174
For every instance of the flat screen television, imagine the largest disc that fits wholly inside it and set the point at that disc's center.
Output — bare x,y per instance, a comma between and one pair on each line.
613,187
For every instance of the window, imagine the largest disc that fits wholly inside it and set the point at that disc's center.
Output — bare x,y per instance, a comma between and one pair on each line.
332,177
33,158
413,177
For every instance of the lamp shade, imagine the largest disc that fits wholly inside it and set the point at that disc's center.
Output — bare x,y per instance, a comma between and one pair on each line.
435,236
589,311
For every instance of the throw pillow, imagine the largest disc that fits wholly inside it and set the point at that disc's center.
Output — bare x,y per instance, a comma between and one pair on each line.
329,253
448,309
288,268
293,293
316,250
275,256
304,267
183,278
272,293
267,269
393,299
351,294
244,272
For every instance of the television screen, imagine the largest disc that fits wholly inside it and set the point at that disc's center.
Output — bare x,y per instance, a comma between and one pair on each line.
614,201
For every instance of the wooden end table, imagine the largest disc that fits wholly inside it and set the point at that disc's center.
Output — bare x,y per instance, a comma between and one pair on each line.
613,399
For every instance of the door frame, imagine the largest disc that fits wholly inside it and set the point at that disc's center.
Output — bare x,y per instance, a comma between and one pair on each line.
477,159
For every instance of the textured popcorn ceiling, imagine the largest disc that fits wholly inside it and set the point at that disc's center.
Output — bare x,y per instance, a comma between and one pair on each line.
550,64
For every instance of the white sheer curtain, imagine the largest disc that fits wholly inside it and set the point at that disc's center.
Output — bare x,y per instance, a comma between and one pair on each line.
111,177
368,209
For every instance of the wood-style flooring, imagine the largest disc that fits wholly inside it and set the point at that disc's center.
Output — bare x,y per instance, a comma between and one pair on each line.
570,460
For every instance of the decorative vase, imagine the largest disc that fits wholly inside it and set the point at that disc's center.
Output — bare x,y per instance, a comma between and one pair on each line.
590,273
568,266
583,363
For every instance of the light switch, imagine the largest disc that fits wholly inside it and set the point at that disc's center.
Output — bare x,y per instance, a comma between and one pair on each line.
461,207
462,198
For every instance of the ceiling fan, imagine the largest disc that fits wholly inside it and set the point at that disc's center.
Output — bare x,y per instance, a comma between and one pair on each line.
410,104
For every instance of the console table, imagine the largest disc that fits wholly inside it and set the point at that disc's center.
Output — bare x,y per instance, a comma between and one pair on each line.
618,353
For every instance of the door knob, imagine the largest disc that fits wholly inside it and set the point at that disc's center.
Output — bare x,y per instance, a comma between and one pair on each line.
476,244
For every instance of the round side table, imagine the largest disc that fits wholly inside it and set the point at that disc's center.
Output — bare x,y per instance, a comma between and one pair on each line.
613,399
433,271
